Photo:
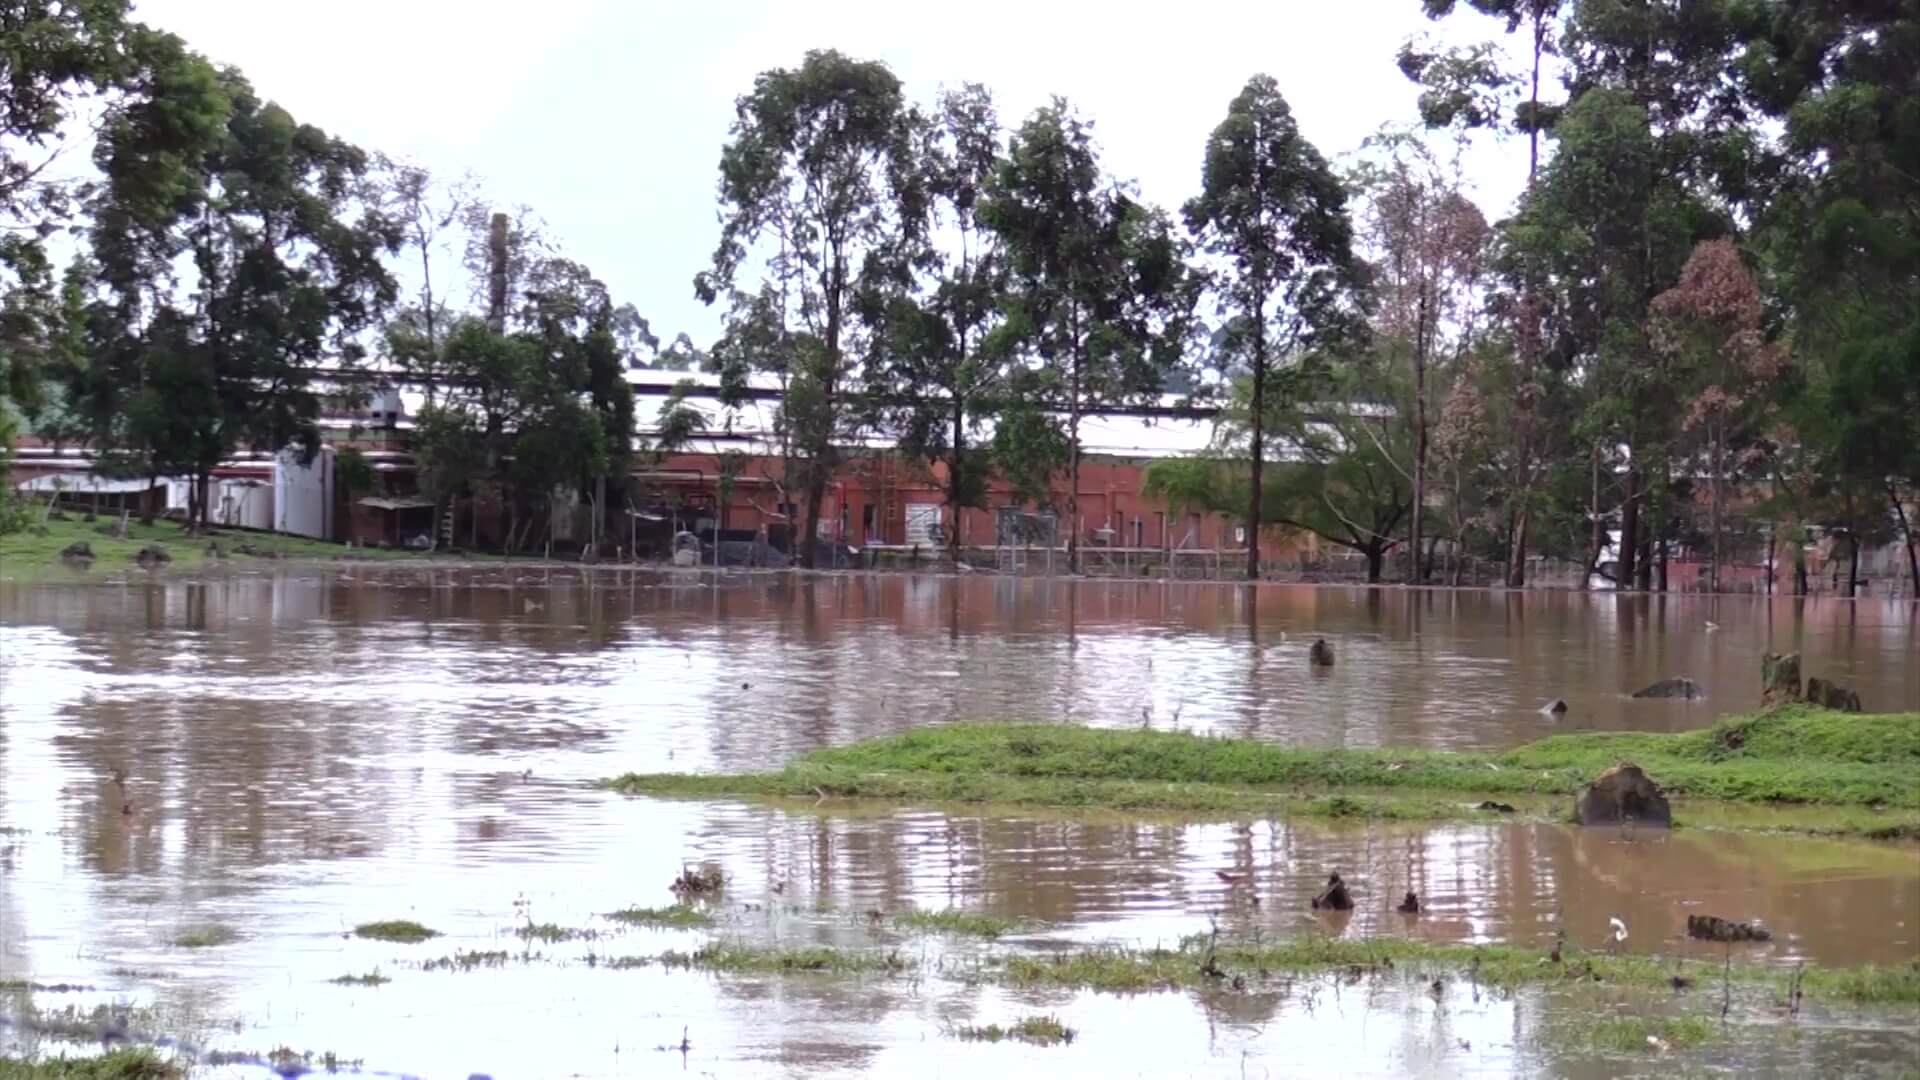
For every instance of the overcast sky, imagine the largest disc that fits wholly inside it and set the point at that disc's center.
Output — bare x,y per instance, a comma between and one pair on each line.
607,116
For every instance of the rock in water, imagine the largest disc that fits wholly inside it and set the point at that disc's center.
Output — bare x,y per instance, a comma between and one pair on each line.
153,555
1714,928
1410,905
1321,654
1831,695
1623,793
1335,897
1556,707
1779,678
1681,689
78,551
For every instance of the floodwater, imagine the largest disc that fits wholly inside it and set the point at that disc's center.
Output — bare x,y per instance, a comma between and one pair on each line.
316,748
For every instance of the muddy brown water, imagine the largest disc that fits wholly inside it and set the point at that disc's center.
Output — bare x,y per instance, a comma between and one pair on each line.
314,748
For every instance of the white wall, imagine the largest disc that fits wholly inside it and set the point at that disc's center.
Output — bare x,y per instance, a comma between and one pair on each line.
303,495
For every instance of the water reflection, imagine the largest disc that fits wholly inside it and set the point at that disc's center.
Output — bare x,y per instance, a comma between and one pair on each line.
307,751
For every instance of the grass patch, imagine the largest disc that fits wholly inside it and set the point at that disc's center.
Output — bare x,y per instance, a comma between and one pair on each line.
371,978
205,937
1037,1030
679,917
1197,962
464,960
1635,1034
402,931
953,921
119,1065
551,933
1867,763
740,959
28,550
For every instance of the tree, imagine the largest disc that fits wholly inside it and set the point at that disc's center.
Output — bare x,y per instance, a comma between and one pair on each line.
1711,322
1099,287
937,368
1274,215
424,210
1428,243
820,161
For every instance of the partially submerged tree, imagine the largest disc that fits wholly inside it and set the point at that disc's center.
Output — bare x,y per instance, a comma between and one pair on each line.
1273,214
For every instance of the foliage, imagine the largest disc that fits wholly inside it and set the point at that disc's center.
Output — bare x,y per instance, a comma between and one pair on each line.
1274,216
1098,288
141,1064
952,921
1037,1030
820,163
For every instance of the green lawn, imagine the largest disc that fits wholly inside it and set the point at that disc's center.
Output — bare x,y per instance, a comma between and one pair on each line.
1867,767
29,549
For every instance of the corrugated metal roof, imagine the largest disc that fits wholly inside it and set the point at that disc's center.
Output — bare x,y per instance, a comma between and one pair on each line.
86,484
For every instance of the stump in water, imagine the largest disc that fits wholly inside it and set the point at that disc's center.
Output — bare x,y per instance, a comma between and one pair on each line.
1779,679
1682,689
78,551
153,555
1621,794
1831,695
1714,928
1410,905
1335,897
1321,654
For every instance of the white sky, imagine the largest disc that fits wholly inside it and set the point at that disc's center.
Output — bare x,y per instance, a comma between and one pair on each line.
608,116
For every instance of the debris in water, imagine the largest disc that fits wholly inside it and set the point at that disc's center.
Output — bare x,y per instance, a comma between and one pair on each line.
1410,905
1335,897
1714,928
1231,878
1320,654
701,881
1496,807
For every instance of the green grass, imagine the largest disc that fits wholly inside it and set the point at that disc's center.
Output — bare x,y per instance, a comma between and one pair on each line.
679,916
205,937
371,978
1134,970
1869,764
551,933
1634,1034
464,960
26,550
740,959
403,931
953,921
119,1065
1038,1030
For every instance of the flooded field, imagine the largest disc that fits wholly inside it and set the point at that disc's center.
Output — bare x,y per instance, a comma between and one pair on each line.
309,751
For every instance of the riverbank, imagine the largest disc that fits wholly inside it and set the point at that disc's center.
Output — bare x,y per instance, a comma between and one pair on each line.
40,546
1791,769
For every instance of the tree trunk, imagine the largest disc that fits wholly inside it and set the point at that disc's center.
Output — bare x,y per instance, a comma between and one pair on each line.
1643,573
1629,532
1598,543
1517,553
1376,558
1415,573
1256,463
1853,563
1799,569
1906,531
954,487
1773,547
1719,459
816,493
1073,456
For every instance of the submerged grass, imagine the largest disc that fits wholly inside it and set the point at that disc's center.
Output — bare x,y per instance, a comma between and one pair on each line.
30,549
119,1065
1199,963
1038,1030
463,960
1865,763
679,916
1635,1034
402,931
954,921
205,937
371,978
552,933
